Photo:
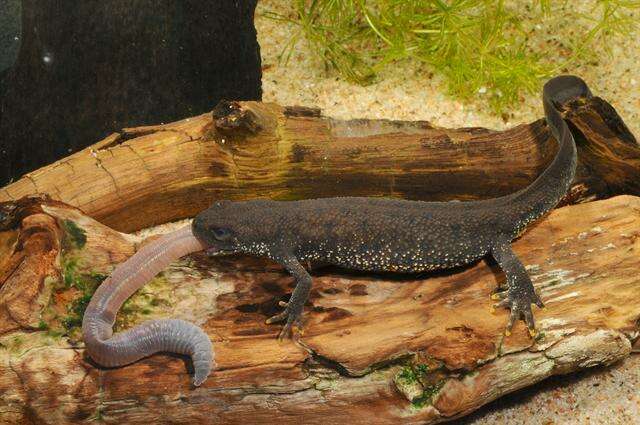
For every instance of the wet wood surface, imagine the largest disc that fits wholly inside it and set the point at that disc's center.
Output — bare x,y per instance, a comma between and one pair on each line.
375,348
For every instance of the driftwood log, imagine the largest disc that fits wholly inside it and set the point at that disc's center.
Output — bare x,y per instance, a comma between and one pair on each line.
145,176
376,349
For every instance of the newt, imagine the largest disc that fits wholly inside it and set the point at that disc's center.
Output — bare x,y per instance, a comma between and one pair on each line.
368,234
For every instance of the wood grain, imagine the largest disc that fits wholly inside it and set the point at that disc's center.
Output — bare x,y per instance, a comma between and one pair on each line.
145,176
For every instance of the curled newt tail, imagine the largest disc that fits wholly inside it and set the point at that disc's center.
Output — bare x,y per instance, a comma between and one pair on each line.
171,335
553,183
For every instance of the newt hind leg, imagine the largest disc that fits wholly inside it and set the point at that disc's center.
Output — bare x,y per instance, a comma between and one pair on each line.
520,294
292,314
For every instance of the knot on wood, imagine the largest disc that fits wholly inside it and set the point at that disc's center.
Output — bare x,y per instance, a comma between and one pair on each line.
230,117
12,213
7,215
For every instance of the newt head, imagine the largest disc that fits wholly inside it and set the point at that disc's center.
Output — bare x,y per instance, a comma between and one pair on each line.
221,227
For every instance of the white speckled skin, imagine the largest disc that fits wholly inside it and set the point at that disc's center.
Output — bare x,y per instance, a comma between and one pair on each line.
359,233
378,234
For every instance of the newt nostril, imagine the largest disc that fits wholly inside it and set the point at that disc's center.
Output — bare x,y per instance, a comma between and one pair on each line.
198,225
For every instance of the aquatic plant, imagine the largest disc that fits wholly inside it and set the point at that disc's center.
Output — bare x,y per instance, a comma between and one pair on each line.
493,48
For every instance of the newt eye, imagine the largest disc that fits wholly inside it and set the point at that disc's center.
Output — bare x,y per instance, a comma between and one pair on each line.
221,233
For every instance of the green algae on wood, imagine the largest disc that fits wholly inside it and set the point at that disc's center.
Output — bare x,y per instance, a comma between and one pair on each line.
81,285
143,303
149,299
76,236
420,379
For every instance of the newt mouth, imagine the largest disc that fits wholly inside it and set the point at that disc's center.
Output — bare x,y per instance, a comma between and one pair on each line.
215,251
212,251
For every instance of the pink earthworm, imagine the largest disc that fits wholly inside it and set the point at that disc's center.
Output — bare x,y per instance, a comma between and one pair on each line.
166,335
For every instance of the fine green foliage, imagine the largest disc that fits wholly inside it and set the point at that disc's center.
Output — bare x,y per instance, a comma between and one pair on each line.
491,48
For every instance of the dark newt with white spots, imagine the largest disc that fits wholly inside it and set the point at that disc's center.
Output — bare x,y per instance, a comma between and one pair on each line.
369,234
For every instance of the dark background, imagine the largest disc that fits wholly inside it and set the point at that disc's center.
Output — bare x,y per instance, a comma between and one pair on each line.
9,30
88,68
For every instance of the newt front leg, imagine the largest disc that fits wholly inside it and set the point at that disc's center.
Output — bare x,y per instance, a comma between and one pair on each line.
294,308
